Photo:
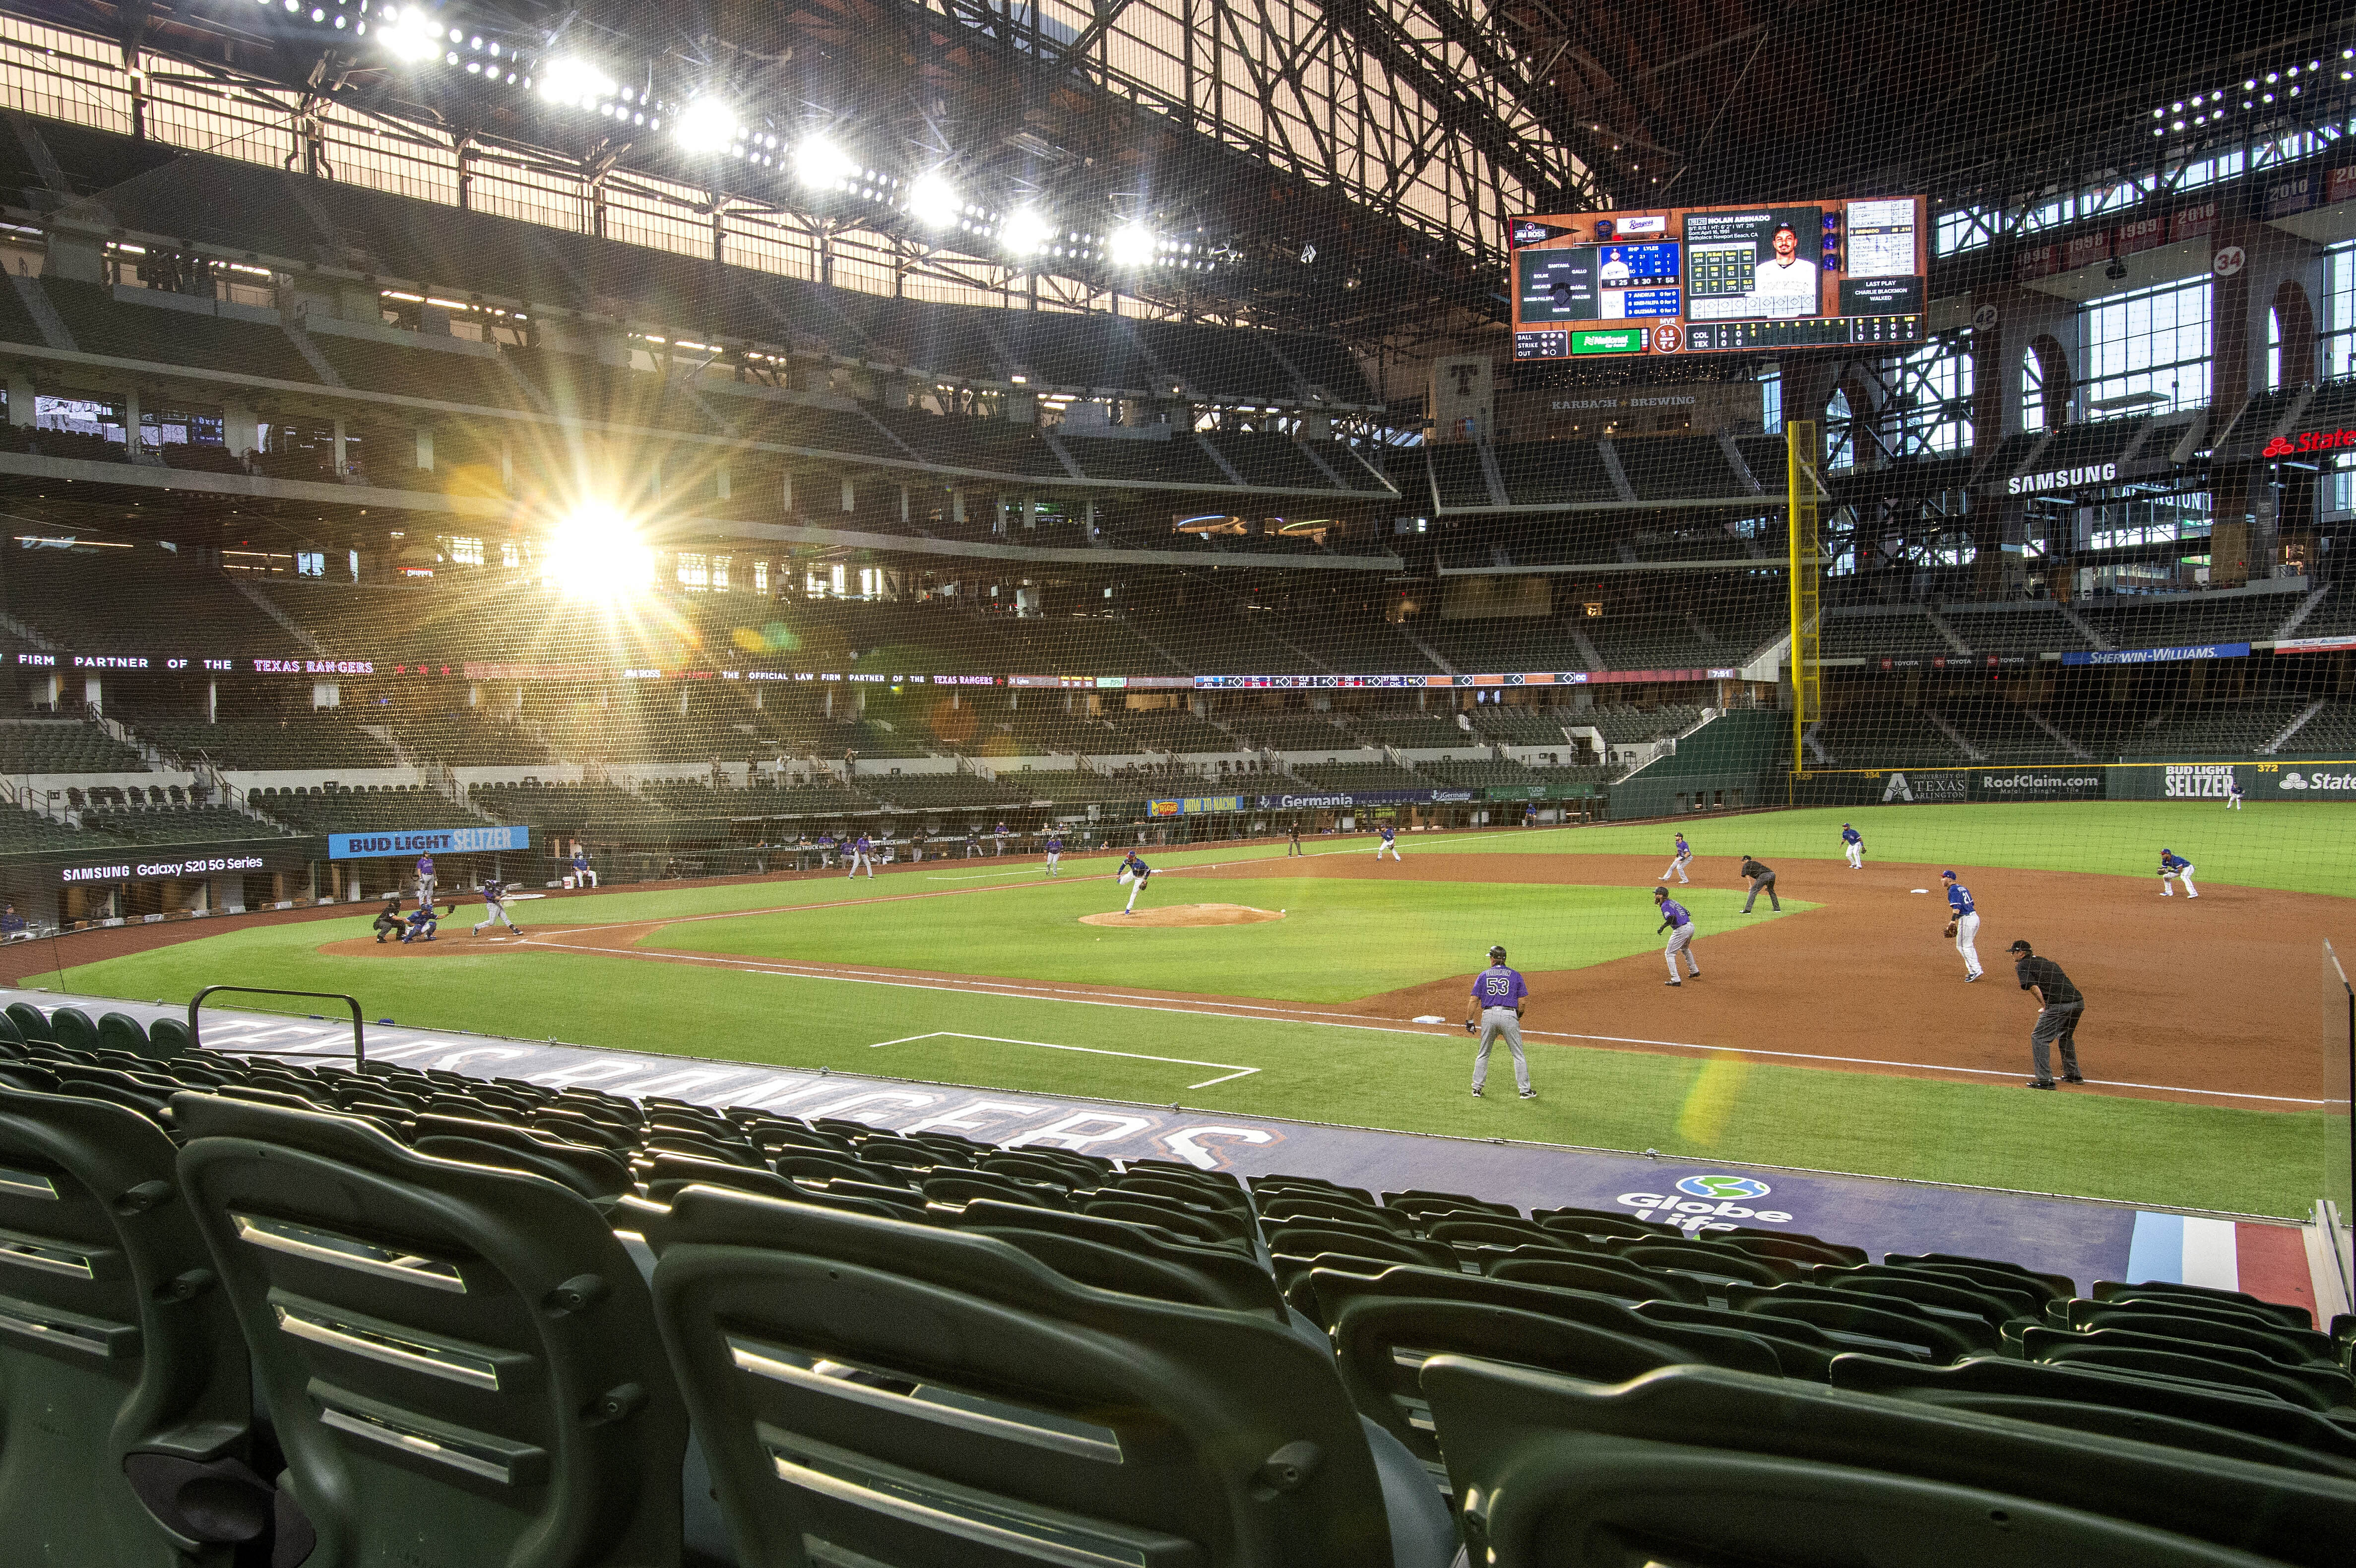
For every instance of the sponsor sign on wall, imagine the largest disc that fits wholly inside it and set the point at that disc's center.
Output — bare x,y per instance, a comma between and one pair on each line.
2031,784
2161,655
426,841
167,862
1345,798
1924,788
2327,781
2197,781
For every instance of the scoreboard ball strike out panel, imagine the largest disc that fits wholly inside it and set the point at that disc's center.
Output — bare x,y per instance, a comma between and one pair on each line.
1715,279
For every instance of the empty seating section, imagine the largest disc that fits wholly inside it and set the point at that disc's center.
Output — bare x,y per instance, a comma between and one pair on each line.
2211,728
152,604
936,792
1359,776
1269,461
445,370
464,741
1518,726
1555,473
372,808
2331,733
1458,774
574,810
99,324
1455,477
2255,421
1631,636
2180,620
24,832
811,1296
173,823
1208,640
964,441
1502,643
1418,730
1181,461
2027,628
1902,634
1621,725
299,743
2095,442
63,746
2003,731
1887,736
1678,468
1291,732
1166,729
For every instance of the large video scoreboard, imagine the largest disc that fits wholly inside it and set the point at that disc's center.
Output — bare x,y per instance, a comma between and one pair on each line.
1718,280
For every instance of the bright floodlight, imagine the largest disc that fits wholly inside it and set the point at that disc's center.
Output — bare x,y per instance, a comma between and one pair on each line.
572,82
1130,245
933,201
706,125
1025,231
595,553
818,162
410,36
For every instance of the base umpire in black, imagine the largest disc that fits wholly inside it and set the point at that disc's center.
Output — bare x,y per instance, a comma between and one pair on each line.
2060,1005
1762,880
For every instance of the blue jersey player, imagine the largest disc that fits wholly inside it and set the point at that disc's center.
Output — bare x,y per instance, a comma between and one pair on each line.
1134,872
1390,831
1963,924
1499,995
1853,845
1683,859
2175,868
1678,924
422,923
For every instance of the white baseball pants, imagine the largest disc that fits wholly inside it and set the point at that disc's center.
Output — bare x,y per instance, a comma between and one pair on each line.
1967,931
1497,1022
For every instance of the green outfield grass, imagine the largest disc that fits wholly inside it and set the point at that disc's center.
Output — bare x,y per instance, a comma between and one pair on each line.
1339,939
1344,938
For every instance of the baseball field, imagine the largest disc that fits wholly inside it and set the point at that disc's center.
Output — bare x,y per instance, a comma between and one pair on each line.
1836,1034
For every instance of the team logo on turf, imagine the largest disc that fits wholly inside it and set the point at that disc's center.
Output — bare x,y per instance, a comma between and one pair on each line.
1724,1187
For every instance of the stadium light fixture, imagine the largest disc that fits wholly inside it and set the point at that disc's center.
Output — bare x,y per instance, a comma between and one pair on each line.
1130,245
820,163
573,81
706,125
1025,231
595,553
933,201
409,34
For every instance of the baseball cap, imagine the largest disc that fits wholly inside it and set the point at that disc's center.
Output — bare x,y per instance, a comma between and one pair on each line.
1948,876
2020,947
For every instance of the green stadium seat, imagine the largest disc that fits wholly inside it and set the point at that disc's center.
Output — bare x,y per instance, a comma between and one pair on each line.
125,1401
168,1038
460,1362
871,1392
2292,1347
2094,1399
1595,1223
1269,1185
1602,1272
2198,1296
2319,1386
1386,1324
2059,1288
1882,1321
120,1031
594,1173
1219,1275
1293,1204
1703,1464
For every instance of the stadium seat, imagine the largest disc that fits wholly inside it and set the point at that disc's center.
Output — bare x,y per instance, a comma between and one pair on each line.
1602,1272
460,1362
1386,1324
1881,1321
73,1029
874,1392
2318,1387
592,1172
1676,1466
30,1021
2094,1399
125,1404
2195,1296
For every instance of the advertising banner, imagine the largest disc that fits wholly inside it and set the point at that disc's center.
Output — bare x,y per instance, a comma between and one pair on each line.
1345,799
426,841
2086,782
1193,806
2161,655
1916,787
175,862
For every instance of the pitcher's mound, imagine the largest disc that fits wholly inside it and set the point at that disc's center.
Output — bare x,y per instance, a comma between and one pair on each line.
1187,914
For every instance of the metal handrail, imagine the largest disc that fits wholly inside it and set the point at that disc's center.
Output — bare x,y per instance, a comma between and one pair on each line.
359,1044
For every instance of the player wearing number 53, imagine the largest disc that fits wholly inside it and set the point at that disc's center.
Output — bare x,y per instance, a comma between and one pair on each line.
1498,996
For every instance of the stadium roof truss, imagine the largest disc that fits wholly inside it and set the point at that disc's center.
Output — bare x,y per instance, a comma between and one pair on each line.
1319,163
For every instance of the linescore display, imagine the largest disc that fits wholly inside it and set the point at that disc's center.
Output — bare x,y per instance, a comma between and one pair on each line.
1719,280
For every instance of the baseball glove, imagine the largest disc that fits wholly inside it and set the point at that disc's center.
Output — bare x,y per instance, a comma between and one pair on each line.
1470,1027
1951,928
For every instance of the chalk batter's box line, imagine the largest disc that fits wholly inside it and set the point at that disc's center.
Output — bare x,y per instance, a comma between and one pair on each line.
1254,1012
1234,1072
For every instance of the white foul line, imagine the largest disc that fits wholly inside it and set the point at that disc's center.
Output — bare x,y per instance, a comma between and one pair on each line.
1251,1012
1089,1050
